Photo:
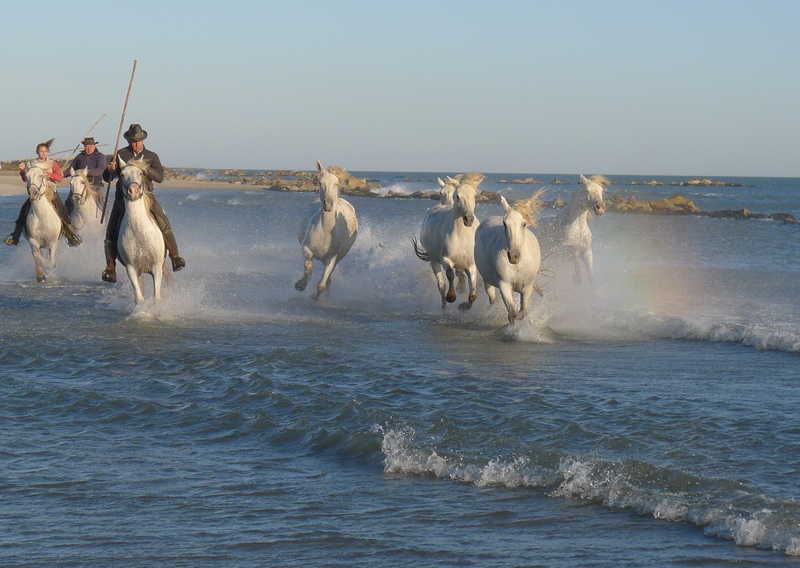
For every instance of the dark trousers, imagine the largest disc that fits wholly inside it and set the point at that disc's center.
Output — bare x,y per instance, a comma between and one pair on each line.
115,219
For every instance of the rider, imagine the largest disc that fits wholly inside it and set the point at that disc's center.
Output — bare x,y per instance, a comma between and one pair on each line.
135,150
92,160
55,175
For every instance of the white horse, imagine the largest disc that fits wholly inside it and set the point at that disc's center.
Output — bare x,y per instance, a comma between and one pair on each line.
140,244
86,207
448,189
508,257
448,242
326,232
43,225
571,228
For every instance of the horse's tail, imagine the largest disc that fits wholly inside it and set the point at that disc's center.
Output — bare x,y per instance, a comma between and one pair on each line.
529,208
421,254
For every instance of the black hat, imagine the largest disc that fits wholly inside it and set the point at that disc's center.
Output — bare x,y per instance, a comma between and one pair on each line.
89,141
135,133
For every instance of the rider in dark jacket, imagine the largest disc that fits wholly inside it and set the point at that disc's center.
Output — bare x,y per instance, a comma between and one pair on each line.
135,150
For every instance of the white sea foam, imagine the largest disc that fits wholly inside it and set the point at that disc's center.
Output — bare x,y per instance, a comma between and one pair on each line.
615,485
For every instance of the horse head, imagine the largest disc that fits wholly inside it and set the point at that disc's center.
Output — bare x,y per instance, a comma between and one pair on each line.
134,178
38,184
592,195
513,224
464,202
328,188
79,185
448,188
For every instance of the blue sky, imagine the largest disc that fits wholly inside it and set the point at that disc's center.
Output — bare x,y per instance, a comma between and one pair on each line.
611,87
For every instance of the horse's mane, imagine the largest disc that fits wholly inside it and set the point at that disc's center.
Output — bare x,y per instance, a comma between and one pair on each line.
148,202
601,179
530,208
470,178
91,191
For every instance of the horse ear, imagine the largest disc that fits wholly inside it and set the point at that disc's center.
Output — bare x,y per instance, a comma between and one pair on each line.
122,162
320,169
441,183
506,206
451,180
85,170
71,171
583,178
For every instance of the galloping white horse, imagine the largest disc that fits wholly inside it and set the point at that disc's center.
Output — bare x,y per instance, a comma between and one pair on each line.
140,244
448,242
43,225
508,257
571,229
326,232
86,207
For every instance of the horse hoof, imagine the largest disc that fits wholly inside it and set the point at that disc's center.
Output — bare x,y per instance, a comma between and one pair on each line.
41,279
300,285
450,298
109,276
464,306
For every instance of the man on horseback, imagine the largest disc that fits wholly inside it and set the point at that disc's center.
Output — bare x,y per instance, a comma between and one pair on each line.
93,161
54,175
135,150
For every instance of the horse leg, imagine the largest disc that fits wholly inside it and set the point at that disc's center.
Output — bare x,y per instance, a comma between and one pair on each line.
325,281
308,260
157,275
576,278
136,282
524,300
437,273
507,294
462,281
491,291
451,290
37,259
472,274
588,260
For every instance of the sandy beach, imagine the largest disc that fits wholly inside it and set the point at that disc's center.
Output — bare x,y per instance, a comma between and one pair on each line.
11,184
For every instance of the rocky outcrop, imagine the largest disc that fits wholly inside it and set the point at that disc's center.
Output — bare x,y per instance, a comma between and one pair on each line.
679,205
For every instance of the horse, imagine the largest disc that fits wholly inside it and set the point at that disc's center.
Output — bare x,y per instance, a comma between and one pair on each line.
326,231
508,258
571,228
140,244
42,225
86,207
447,240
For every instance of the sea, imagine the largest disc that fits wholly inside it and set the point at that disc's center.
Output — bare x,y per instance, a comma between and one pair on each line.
650,420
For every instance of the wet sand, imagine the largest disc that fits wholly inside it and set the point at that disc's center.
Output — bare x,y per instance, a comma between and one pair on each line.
12,184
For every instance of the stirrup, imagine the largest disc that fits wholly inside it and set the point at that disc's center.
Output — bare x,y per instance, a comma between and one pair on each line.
74,240
177,263
109,275
11,241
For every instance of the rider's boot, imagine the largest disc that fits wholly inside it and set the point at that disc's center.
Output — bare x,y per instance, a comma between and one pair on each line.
110,273
172,249
12,239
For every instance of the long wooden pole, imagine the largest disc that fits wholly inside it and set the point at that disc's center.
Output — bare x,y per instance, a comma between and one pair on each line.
119,133
84,138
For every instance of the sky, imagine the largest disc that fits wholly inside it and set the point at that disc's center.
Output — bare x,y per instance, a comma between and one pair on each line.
644,87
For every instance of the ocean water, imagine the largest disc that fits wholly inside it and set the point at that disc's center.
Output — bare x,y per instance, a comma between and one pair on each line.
650,421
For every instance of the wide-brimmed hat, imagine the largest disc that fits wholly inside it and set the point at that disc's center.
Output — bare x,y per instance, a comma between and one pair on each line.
135,133
89,140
